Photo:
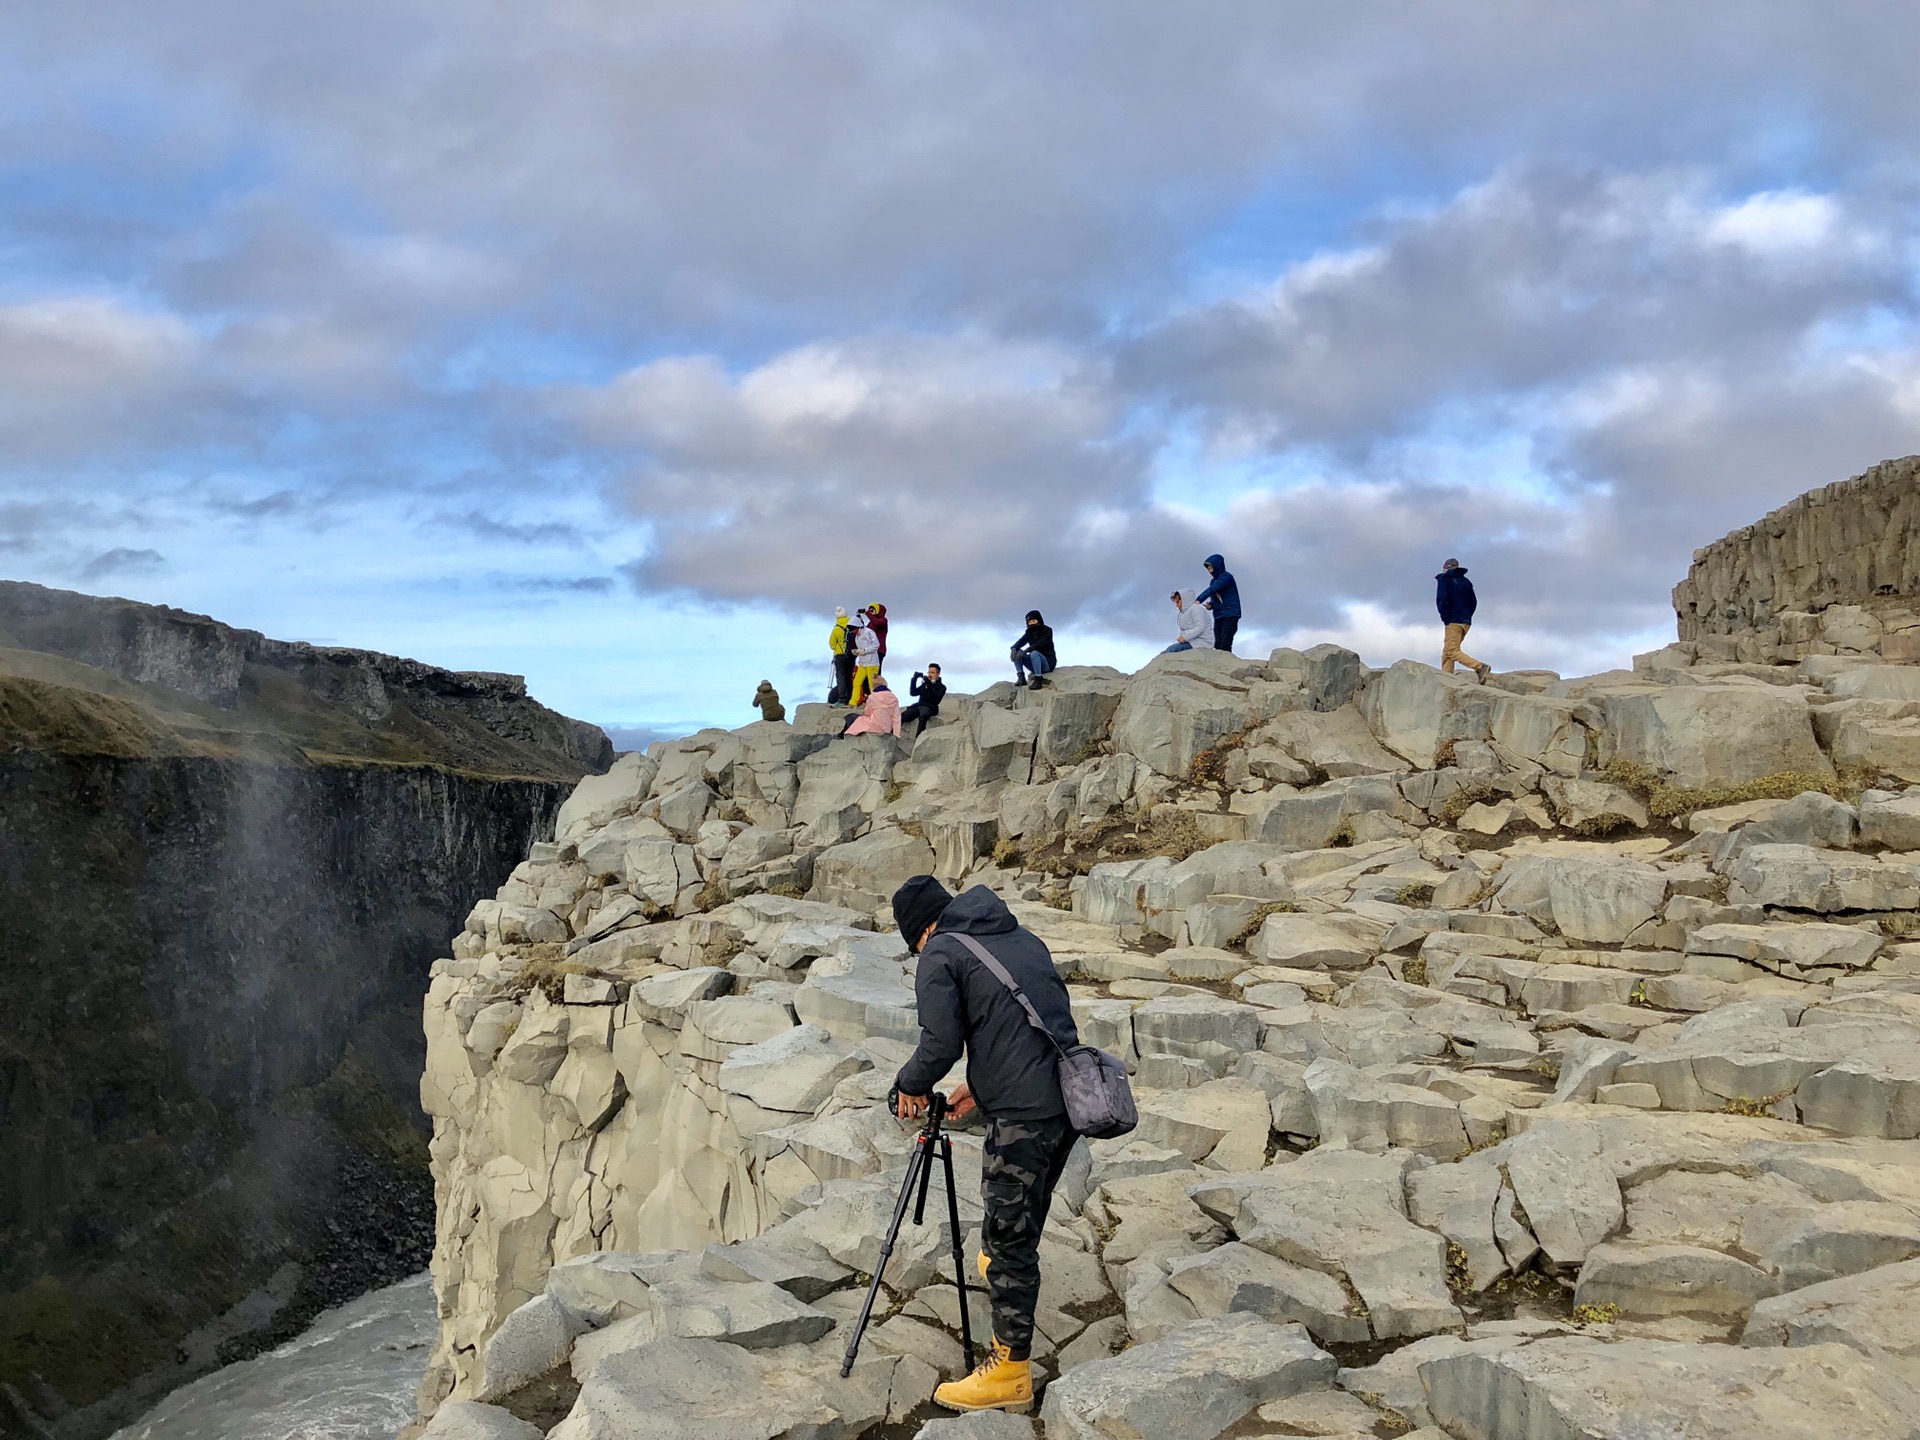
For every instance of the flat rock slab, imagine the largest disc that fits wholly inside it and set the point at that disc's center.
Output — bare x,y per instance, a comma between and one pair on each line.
706,1390
469,1420
1194,1384
1877,1313
1578,1388
981,1425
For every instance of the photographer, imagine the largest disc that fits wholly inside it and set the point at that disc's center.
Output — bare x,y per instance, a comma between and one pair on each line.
928,691
1012,1079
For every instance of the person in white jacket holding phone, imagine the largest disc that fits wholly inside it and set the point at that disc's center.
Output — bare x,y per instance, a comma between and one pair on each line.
1195,624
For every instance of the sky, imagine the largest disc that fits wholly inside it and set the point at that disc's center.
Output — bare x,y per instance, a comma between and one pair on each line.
615,345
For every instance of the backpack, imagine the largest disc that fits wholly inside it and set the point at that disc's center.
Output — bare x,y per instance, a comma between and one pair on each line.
1093,1083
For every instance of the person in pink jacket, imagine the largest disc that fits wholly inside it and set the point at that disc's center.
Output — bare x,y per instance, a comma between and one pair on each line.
880,715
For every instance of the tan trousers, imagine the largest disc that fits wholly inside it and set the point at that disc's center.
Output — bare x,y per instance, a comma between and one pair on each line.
1451,651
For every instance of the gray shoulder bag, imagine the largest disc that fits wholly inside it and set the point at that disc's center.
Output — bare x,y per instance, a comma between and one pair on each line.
1093,1083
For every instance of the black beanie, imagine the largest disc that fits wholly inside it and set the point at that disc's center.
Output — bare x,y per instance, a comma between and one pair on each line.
917,904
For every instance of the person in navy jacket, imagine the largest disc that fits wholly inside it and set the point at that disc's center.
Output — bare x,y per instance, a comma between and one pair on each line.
1453,594
1222,597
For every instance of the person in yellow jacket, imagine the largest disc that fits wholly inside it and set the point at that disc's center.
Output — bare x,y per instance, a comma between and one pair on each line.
840,643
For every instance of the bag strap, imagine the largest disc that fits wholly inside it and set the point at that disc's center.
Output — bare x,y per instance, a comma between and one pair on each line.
987,958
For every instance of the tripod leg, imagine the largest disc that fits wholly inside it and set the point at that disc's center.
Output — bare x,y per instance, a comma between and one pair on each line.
916,1165
959,1259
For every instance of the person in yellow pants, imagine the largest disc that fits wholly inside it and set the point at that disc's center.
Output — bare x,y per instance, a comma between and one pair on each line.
1456,601
866,661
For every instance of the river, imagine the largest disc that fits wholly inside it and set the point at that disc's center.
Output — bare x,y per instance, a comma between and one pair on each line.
350,1376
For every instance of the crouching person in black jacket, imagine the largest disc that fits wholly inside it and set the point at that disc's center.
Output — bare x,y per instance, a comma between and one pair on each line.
928,691
1012,1078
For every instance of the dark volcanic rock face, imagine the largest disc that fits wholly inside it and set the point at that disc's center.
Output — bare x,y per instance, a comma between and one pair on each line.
218,928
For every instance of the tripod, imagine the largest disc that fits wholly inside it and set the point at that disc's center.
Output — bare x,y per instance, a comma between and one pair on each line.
919,1171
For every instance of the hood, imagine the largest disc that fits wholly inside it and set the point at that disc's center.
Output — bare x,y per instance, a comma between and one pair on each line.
1460,570
877,608
1218,563
978,911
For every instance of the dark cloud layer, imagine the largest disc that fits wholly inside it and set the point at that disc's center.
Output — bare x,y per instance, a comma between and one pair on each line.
974,305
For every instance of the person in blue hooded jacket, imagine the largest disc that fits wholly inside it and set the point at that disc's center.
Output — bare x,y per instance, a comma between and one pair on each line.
1222,597
1453,594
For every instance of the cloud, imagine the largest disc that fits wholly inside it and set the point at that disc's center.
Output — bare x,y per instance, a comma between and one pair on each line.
122,561
968,307
1571,376
976,474
80,370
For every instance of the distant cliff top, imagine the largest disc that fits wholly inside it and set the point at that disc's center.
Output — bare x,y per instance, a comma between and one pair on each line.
83,672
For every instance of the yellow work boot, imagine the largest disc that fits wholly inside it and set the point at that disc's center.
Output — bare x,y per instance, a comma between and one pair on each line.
983,1264
999,1382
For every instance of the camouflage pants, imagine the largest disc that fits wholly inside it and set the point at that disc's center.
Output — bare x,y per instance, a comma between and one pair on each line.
1023,1161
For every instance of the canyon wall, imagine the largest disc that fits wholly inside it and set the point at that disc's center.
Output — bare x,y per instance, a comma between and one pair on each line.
226,865
1835,571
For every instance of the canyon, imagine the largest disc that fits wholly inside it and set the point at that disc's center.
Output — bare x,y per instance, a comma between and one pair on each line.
228,862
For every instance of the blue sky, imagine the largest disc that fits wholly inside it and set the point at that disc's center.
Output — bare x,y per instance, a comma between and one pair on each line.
615,345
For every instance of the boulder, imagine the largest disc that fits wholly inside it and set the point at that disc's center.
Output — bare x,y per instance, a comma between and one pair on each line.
531,1341
1223,1124
863,874
1199,1027
1344,1213
849,773
1237,1279
1705,735
1881,737
1890,820
1670,1280
1310,942
1196,1383
1876,1092
1571,1198
1355,1109
794,1072
1872,1313
1180,705
598,799
1593,807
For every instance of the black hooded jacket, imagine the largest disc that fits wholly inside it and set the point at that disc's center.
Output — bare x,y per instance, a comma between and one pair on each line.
1010,1065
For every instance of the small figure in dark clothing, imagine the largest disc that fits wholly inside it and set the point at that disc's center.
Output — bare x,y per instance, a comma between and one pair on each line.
1222,597
1013,1079
1033,651
768,699
928,691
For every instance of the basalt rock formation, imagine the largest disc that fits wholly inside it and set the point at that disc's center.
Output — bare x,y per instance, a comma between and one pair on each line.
1835,571
226,864
1516,1061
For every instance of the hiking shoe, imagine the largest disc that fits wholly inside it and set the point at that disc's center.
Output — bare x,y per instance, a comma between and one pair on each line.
1482,672
998,1383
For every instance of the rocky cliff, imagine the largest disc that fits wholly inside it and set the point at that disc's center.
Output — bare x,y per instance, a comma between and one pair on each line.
227,866
1834,572
1521,1061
